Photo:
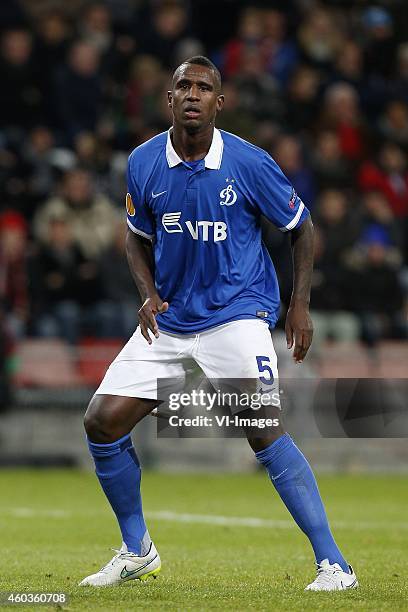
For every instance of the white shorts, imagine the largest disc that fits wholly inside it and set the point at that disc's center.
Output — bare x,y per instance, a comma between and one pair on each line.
237,350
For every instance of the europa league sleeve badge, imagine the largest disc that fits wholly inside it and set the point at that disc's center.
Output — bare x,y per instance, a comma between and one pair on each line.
129,205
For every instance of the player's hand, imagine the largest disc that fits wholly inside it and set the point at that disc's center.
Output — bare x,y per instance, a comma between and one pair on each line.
147,316
299,330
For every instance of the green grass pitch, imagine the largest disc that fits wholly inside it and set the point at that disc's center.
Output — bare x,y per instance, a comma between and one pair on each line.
56,528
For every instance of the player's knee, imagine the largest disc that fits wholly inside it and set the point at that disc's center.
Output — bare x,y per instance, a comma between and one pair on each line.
99,424
92,426
260,443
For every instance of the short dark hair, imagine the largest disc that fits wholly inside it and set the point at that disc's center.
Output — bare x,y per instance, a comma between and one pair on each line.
201,60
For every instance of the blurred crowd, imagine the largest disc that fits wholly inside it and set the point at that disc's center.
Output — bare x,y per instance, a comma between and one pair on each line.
322,86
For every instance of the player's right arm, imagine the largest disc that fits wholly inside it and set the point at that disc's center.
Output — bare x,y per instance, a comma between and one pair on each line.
140,252
141,263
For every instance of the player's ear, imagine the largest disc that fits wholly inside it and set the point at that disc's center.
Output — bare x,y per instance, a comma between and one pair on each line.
220,102
169,99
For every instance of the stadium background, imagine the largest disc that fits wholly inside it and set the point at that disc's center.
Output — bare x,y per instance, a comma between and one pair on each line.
323,86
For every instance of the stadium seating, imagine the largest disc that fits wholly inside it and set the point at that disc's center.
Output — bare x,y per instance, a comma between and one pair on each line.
46,363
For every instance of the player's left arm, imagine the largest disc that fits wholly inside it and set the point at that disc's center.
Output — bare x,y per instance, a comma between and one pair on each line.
275,198
299,326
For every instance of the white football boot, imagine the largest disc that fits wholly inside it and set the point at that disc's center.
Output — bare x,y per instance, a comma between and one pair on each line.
332,578
126,566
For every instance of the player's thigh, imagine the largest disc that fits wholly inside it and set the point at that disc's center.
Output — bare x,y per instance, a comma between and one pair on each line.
129,389
240,349
139,365
244,351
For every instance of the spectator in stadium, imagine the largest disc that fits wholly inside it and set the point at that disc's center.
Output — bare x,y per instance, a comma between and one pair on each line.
348,67
22,96
320,38
265,133
261,31
91,214
79,91
168,27
248,37
379,45
393,124
96,27
376,211
342,114
301,101
373,281
280,51
338,223
258,90
143,100
233,117
372,90
123,13
399,85
13,272
188,47
65,284
96,153
86,148
288,154
330,311
336,232
53,38
330,167
39,155
389,176
117,312
14,175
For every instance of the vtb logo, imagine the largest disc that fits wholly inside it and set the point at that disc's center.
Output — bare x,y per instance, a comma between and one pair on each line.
200,230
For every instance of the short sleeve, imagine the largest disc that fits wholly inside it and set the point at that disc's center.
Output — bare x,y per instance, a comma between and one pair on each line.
139,216
276,198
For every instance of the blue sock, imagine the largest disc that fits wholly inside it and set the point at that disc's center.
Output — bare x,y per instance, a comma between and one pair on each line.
118,470
293,479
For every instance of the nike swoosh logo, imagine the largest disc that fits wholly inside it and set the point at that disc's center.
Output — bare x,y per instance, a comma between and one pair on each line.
125,573
279,475
156,195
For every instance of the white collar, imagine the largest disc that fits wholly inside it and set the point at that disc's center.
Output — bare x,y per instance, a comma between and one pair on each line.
213,158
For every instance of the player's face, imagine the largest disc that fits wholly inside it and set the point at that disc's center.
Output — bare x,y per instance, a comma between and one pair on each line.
195,99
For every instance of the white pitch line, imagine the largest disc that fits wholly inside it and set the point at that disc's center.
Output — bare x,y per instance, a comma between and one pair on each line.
31,512
250,521
214,519
203,519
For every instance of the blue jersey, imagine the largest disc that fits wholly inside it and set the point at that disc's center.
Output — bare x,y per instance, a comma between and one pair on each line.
204,221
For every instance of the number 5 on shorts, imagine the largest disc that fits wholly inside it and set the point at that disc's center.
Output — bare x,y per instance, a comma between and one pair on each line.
263,366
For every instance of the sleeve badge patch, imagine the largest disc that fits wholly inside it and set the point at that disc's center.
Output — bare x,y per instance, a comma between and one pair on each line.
292,200
129,205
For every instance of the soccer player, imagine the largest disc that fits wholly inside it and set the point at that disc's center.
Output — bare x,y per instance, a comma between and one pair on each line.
210,294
